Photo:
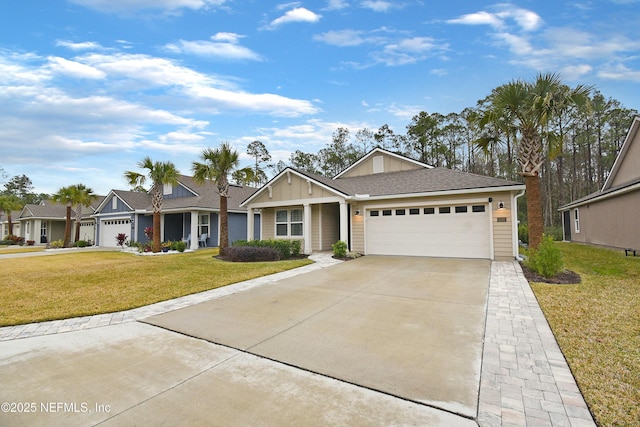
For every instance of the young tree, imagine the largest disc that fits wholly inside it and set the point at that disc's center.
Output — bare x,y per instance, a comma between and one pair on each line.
216,166
8,204
83,196
529,106
160,174
65,196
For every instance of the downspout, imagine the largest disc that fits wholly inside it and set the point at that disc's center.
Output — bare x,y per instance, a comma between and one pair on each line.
514,219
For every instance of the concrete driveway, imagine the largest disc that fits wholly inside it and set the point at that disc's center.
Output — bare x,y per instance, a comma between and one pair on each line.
375,341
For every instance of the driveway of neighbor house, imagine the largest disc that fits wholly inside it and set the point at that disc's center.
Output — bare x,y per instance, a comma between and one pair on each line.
376,341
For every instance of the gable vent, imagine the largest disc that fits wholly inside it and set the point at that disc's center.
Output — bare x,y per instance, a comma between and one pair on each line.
378,164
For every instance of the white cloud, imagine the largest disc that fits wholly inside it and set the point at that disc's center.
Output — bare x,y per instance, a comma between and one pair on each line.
299,14
74,69
619,72
342,38
378,5
131,6
408,51
222,45
404,112
337,5
526,20
574,72
79,46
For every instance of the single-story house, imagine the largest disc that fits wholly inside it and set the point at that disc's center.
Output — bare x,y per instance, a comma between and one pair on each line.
386,203
4,224
190,212
609,217
45,222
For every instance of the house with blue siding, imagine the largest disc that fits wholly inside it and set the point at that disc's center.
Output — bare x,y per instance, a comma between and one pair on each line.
190,212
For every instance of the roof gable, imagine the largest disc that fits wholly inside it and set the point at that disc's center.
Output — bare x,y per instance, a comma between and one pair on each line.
625,168
380,160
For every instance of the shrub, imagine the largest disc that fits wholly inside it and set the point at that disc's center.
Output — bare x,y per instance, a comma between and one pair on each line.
178,245
523,233
13,240
251,253
546,260
81,244
121,238
56,244
286,248
556,232
339,249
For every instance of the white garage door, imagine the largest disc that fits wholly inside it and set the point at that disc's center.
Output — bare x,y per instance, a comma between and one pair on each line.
109,229
453,231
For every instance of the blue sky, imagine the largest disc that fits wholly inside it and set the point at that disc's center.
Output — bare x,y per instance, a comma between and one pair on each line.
90,87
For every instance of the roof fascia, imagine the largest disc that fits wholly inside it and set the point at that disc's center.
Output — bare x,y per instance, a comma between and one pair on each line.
601,197
633,130
383,151
482,190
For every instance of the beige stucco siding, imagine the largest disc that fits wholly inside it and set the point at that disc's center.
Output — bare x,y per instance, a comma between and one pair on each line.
629,168
610,222
390,164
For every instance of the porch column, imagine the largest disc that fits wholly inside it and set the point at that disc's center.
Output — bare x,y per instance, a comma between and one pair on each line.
250,224
194,231
306,225
344,223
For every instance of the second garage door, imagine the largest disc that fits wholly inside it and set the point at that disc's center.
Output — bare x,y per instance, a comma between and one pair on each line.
452,231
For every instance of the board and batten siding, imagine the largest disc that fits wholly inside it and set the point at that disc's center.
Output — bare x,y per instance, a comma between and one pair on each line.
389,164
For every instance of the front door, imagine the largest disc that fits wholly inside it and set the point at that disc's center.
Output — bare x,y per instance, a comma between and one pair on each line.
566,224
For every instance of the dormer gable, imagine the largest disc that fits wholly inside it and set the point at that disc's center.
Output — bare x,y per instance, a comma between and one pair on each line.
380,160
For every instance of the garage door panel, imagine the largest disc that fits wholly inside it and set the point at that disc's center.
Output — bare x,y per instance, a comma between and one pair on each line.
456,235
109,229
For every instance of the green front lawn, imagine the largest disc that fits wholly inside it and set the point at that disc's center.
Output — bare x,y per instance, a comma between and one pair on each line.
597,325
74,284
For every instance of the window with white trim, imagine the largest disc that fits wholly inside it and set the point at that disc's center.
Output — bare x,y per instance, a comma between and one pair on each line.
203,224
114,203
167,189
289,223
576,220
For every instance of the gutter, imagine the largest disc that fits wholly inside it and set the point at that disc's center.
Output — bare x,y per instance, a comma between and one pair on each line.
517,244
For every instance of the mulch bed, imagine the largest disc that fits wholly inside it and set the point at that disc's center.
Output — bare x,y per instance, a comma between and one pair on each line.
566,277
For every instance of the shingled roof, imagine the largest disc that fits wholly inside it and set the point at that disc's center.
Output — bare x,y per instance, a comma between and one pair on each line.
410,182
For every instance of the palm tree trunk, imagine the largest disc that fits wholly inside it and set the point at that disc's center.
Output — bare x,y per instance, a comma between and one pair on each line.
224,225
156,232
78,220
67,228
534,209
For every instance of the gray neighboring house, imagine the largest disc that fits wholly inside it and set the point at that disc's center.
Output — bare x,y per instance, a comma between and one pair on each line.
609,217
4,224
45,222
190,211
388,204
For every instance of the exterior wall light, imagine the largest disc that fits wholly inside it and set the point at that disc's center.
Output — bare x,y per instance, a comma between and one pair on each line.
501,205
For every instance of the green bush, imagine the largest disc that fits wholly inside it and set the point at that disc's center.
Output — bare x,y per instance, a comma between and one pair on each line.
546,260
523,233
556,232
339,249
178,245
56,244
286,248
252,253
81,244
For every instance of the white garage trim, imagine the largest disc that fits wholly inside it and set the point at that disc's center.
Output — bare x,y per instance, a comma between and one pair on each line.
445,229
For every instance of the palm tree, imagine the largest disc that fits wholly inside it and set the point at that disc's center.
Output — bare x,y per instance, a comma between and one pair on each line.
216,166
82,197
65,196
529,106
7,205
160,174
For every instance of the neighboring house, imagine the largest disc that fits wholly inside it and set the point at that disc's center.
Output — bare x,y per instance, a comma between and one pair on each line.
609,217
44,222
4,224
388,204
189,211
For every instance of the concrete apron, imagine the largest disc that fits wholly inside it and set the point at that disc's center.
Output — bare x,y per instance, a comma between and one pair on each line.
373,329
405,326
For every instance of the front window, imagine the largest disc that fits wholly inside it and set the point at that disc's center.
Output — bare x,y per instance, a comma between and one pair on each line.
289,223
576,218
203,224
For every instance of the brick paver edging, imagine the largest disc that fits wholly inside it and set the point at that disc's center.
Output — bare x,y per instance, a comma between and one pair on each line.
525,379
